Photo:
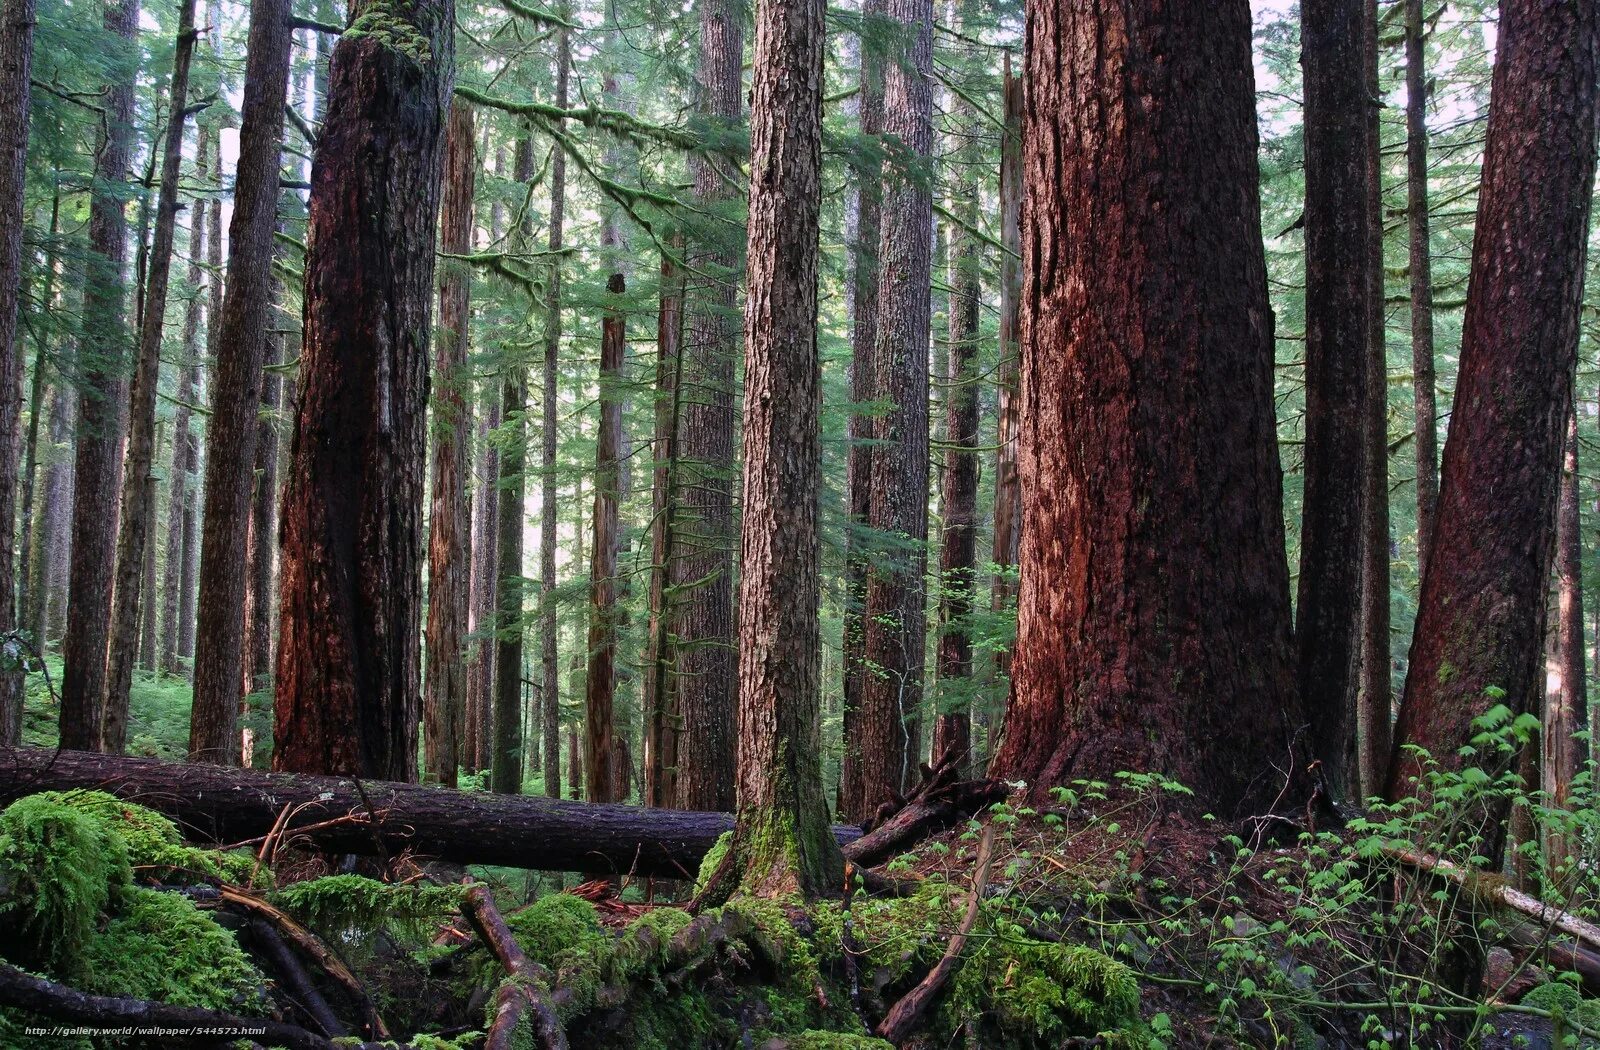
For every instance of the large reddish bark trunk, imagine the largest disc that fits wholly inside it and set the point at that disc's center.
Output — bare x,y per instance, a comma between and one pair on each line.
240,336
782,842
97,465
348,659
449,525
863,371
16,55
1480,620
702,564
1154,583
891,695
1328,613
601,682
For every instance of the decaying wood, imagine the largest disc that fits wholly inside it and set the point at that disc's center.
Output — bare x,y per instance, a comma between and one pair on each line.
1498,892
295,979
939,800
519,995
218,804
909,1010
24,991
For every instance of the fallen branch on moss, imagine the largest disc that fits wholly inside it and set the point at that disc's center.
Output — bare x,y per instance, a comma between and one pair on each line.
1497,891
24,991
519,995
940,800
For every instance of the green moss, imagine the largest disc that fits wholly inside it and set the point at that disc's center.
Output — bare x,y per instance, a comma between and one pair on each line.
392,26
711,861
819,1040
155,847
1027,991
160,946
339,904
59,867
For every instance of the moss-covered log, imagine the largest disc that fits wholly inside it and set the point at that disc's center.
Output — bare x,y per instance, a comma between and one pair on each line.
224,805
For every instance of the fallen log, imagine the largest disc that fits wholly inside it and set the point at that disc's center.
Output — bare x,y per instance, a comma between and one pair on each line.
224,805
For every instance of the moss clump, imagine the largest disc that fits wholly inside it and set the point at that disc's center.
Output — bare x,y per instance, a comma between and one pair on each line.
339,905
155,848
711,861
60,867
556,924
160,946
819,1040
389,24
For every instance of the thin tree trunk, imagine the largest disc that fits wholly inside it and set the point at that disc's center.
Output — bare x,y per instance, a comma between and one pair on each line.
958,499
16,55
233,430
1480,620
782,843
574,763
868,191
179,494
1421,266
1376,693
349,653
53,537
550,671
24,574
663,718
601,681
1154,579
149,604
895,617
103,352
1007,539
1566,703
485,523
449,527
702,565
262,545
506,760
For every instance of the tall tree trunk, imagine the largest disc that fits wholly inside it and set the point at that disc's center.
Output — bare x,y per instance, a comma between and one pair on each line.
702,563
137,496
103,354
485,526
895,619
179,493
1007,539
574,763
663,718
1153,572
506,759
449,527
1480,619
233,429
958,493
47,593
149,604
1421,260
601,681
16,56
550,671
262,545
1566,701
1327,627
348,650
24,574
782,843
1375,697
863,371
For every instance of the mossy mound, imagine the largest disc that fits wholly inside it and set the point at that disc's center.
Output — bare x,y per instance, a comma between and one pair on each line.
156,850
345,906
200,963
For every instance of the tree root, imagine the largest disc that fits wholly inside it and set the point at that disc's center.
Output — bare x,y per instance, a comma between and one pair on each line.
519,995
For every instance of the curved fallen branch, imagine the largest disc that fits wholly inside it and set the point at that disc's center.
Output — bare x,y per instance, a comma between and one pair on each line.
519,995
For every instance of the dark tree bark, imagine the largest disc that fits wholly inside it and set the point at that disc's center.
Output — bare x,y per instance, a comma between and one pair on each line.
867,179
16,56
574,763
600,684
449,527
348,648
958,500
1421,265
1566,701
149,608
1153,572
1328,617
782,843
1481,616
1375,697
662,715
891,695
1006,542
485,534
138,502
702,562
550,671
506,758
262,544
103,354
240,332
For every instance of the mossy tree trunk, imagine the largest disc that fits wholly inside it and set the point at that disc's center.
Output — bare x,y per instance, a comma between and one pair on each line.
782,843
349,652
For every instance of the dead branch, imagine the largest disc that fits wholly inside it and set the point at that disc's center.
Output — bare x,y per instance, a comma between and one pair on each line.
519,995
